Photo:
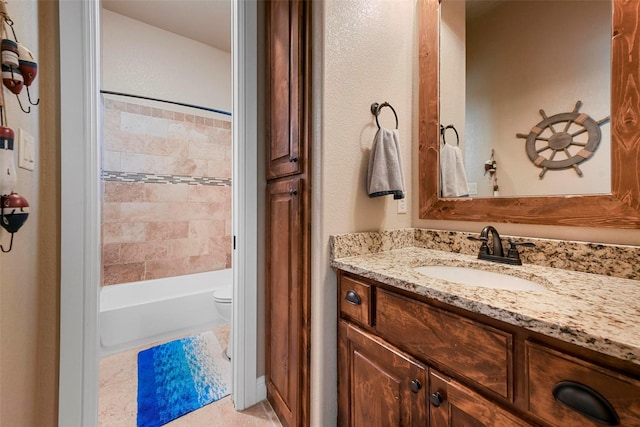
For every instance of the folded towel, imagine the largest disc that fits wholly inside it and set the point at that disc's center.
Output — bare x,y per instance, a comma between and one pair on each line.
385,169
452,174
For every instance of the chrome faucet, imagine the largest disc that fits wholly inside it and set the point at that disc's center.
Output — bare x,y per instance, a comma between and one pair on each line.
496,252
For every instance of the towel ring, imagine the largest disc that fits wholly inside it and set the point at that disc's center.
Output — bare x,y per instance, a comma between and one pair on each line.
443,129
375,110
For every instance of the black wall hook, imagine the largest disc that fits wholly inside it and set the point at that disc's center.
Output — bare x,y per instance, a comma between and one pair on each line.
375,110
10,245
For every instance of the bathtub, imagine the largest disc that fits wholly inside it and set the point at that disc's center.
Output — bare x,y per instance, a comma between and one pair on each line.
139,313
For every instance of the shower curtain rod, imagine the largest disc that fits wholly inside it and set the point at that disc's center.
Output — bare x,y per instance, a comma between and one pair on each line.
109,92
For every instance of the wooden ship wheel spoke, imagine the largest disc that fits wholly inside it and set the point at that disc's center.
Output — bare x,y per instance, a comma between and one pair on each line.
561,141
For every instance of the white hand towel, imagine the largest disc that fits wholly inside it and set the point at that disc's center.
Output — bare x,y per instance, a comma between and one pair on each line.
385,168
452,174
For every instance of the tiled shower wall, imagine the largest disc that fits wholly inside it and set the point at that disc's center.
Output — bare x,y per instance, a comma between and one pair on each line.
166,179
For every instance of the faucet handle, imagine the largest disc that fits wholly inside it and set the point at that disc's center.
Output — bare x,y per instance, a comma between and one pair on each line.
484,248
513,250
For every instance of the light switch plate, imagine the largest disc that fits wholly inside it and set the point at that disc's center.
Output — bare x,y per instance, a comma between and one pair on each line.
26,154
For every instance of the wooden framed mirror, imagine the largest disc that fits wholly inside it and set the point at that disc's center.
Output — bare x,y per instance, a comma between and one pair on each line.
619,209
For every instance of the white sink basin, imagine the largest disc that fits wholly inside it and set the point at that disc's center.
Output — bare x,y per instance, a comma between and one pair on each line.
474,277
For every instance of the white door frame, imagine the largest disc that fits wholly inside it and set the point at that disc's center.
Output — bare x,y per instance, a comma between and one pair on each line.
80,213
248,389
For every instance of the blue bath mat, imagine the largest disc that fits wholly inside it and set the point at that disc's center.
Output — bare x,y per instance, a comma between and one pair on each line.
180,376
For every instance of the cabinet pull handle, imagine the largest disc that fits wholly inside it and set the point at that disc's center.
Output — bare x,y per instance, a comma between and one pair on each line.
415,386
352,297
436,399
293,192
585,401
293,159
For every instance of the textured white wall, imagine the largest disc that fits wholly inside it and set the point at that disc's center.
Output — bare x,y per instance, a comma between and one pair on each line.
369,54
140,59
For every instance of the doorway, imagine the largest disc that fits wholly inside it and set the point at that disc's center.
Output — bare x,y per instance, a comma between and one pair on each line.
80,224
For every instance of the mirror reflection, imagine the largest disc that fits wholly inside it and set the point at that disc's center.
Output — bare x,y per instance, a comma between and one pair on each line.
509,66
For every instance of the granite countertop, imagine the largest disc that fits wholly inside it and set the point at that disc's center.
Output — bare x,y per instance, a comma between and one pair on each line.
597,312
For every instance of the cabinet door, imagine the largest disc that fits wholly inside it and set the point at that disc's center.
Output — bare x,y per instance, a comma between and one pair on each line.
454,405
285,310
377,384
284,87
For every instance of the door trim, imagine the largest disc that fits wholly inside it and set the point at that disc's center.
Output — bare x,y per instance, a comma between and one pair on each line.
79,216
247,389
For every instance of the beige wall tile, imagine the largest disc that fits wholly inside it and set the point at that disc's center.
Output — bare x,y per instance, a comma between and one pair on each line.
167,230
123,273
173,147
176,193
123,191
143,251
118,140
145,211
111,160
167,268
111,253
181,248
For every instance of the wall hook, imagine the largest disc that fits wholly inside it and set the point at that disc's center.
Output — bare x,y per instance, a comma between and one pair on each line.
28,110
29,98
10,245
9,22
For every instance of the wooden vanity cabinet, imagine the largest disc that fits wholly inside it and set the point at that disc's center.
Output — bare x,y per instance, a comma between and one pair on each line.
403,362
378,385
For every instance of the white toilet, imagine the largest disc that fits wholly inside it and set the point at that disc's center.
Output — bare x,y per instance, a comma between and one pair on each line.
222,298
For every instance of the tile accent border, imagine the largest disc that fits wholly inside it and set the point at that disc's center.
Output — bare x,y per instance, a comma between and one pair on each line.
151,178
608,260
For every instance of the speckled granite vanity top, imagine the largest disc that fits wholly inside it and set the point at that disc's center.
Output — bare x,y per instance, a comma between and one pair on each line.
598,312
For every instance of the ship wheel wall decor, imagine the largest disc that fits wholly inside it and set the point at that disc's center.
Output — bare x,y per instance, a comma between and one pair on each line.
546,139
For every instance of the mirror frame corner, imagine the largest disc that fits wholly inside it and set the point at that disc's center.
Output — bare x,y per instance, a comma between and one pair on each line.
620,209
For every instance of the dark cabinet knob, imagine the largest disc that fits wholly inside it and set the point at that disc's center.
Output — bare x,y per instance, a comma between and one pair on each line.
436,399
415,386
293,159
352,297
293,192
586,401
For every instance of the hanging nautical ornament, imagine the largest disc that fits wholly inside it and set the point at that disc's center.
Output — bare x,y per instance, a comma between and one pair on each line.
19,67
28,67
14,211
10,53
558,134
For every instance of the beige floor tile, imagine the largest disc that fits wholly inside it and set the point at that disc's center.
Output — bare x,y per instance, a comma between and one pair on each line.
118,397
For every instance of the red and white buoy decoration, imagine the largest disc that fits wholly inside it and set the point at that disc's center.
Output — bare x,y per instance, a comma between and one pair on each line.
19,69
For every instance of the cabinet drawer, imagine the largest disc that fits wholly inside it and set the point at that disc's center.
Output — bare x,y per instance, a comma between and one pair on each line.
476,351
355,300
548,368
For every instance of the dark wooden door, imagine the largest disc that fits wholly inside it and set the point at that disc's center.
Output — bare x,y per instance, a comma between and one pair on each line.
377,384
284,309
287,282
285,58
454,405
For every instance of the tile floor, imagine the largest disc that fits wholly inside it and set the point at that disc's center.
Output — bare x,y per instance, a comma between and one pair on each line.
118,397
